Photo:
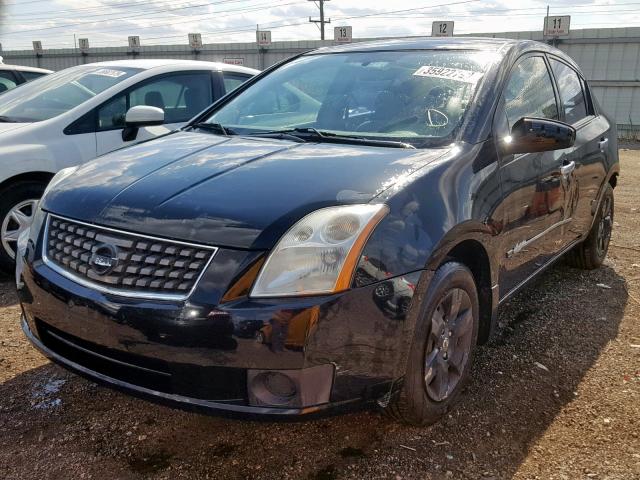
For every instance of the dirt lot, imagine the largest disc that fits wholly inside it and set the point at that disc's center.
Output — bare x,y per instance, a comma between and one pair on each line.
555,396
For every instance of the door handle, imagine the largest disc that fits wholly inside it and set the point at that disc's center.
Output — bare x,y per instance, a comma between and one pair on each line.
568,168
603,144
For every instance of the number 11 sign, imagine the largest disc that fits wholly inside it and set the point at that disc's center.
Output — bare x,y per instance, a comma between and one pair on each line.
557,26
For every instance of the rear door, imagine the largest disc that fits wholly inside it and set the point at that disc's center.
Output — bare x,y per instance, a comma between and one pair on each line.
587,159
533,190
181,95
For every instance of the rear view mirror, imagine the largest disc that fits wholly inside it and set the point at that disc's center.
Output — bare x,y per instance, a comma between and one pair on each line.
530,135
141,116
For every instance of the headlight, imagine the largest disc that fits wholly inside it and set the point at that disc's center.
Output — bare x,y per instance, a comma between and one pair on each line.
319,253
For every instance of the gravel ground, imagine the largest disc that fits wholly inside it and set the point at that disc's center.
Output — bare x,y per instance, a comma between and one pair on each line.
555,396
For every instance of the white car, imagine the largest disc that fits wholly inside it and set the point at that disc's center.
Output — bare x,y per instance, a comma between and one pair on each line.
13,75
74,115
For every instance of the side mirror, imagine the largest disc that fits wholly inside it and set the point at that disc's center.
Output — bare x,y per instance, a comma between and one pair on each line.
141,116
530,135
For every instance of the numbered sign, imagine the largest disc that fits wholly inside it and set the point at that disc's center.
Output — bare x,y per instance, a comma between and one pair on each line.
134,43
195,40
442,29
557,26
343,34
263,37
83,44
37,46
234,61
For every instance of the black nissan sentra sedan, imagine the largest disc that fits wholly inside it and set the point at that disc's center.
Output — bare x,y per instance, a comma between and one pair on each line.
340,229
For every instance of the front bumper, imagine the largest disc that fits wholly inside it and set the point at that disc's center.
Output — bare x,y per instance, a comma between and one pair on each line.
162,397
339,349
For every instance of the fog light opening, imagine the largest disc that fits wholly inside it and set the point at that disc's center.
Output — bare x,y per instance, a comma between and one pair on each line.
274,388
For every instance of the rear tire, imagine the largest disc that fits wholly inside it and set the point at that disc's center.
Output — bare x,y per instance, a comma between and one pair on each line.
442,350
17,206
590,254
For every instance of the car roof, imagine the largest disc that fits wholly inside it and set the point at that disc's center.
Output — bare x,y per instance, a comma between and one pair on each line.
500,46
22,68
147,64
426,43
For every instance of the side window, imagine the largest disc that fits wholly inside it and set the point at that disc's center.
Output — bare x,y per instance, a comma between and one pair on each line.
111,114
571,94
233,80
7,81
181,96
28,76
529,92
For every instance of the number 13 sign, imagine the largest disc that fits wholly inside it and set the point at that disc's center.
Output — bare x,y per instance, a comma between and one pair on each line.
343,34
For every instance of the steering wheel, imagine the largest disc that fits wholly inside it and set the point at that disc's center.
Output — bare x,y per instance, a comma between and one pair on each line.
436,118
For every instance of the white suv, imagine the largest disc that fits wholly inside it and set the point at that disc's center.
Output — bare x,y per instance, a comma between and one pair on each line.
77,114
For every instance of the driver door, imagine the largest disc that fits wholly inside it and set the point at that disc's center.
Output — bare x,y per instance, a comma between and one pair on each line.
180,95
534,188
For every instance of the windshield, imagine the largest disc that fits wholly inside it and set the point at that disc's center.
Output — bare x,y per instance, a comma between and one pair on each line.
59,92
416,97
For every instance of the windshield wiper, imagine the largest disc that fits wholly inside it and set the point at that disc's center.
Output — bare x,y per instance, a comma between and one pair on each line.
313,134
278,134
7,119
213,127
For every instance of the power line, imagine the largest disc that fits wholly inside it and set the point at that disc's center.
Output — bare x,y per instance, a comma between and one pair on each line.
170,22
75,24
98,8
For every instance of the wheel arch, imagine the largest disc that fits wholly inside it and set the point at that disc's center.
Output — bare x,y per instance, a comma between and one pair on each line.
475,252
40,176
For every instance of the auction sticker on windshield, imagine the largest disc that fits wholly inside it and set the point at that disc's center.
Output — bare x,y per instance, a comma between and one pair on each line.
446,73
108,72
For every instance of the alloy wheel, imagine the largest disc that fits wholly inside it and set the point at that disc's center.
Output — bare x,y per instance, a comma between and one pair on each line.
17,220
449,344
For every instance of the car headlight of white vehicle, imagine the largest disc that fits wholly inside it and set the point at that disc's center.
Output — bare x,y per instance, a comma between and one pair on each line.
319,253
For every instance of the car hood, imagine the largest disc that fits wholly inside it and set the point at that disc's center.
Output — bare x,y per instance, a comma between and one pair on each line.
226,191
9,126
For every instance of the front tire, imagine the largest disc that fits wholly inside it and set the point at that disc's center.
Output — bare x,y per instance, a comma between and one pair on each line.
442,350
18,204
590,254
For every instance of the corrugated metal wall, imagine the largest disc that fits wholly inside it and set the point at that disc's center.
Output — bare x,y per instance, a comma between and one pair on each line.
609,57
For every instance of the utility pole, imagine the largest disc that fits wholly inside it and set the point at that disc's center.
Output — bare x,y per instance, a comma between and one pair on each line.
321,21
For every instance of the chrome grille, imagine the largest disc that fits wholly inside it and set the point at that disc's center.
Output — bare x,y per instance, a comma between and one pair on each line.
142,266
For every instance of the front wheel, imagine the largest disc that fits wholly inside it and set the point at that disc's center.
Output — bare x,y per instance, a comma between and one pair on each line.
441,353
18,204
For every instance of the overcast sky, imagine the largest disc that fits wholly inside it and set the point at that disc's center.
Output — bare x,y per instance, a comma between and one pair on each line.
109,22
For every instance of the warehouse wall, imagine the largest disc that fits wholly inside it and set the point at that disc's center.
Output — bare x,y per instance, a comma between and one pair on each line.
609,57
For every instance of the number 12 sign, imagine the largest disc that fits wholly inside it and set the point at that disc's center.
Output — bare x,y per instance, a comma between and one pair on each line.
442,29
557,26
